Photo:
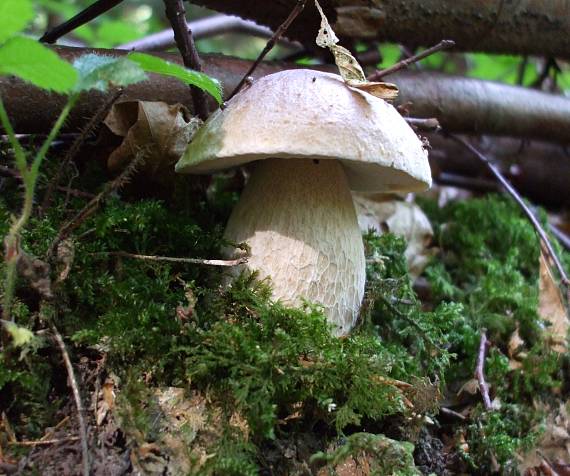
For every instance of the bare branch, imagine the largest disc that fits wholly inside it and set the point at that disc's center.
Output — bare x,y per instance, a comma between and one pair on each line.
270,44
480,371
462,105
176,14
442,45
77,399
205,28
168,259
564,281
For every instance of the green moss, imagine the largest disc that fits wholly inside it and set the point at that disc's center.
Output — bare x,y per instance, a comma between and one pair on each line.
382,455
279,367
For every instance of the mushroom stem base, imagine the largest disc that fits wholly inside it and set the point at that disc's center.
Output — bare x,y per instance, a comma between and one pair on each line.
298,218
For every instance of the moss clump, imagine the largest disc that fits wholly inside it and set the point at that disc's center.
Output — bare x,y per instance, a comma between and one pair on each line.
381,455
279,368
488,262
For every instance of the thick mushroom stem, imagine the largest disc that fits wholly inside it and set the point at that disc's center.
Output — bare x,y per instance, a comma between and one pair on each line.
298,218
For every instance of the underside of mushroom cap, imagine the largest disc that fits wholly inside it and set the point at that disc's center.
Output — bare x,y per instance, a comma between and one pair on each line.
303,113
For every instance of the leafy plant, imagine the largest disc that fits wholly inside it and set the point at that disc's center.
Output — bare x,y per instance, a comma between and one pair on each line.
33,62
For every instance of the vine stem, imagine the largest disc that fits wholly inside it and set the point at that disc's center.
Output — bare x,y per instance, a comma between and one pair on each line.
29,178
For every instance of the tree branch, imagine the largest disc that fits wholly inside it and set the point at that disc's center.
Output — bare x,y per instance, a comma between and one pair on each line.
204,28
185,42
462,105
547,246
528,28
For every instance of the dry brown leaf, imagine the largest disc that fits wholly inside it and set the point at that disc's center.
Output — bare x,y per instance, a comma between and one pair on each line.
106,401
386,91
471,387
551,308
65,257
554,444
348,66
514,346
161,130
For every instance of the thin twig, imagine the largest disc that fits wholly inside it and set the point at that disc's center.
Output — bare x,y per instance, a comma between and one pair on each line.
549,63
95,120
205,28
270,44
92,11
480,373
429,124
452,413
564,281
176,14
442,45
522,70
77,398
44,442
168,259
93,204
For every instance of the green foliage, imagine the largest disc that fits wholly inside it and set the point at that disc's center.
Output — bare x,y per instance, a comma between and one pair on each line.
488,261
153,64
101,72
423,337
499,435
384,455
33,62
263,358
486,244
14,16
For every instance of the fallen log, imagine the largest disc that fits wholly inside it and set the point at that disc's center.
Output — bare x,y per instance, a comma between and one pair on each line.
462,105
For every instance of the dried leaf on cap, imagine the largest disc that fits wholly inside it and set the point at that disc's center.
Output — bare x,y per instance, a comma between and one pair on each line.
348,66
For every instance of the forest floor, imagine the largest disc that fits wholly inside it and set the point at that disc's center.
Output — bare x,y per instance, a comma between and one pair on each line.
463,370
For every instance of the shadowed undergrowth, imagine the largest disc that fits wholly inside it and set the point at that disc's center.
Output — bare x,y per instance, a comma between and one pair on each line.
293,390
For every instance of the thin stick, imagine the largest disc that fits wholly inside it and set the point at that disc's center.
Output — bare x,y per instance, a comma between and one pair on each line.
84,16
479,371
95,120
453,413
44,442
429,124
442,45
270,44
77,398
168,259
564,281
176,14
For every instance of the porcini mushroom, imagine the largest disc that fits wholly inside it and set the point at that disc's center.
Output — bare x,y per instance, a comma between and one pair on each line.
312,139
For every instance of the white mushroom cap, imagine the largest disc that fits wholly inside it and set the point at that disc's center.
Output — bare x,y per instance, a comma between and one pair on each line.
304,113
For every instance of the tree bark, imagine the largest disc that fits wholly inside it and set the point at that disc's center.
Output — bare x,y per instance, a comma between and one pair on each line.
462,105
528,27
538,170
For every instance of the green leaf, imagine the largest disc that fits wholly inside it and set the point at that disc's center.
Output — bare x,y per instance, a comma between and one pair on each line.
14,16
153,64
20,335
33,62
100,72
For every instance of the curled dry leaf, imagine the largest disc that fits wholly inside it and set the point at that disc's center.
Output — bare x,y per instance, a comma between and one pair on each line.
514,346
65,256
553,445
551,308
163,131
348,66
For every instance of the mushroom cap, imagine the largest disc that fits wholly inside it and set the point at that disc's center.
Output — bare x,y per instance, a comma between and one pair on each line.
304,113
